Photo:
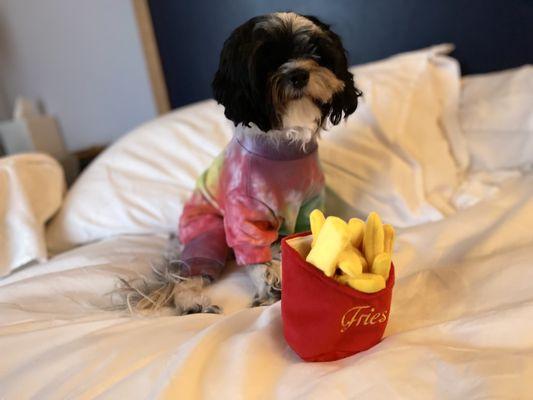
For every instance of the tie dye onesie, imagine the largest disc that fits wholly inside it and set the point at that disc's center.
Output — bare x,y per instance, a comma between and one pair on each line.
254,191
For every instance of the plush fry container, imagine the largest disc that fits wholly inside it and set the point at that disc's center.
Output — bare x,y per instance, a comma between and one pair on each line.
324,320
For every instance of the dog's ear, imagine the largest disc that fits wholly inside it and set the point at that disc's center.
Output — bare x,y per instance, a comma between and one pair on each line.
343,103
234,79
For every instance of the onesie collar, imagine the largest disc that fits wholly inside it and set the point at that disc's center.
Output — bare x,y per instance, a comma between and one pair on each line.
275,144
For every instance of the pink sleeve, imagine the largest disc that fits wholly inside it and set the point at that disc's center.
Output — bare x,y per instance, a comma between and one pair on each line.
251,227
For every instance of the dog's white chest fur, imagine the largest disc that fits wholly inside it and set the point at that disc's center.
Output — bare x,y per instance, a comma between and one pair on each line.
302,113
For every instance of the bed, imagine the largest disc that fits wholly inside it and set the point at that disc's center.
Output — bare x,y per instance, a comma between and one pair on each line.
430,150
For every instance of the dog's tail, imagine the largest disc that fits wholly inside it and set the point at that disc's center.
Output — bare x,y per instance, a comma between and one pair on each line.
141,295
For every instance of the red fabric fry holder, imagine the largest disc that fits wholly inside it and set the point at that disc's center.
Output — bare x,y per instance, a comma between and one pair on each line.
324,320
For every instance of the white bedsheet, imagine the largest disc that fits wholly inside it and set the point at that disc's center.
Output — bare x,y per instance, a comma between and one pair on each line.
461,324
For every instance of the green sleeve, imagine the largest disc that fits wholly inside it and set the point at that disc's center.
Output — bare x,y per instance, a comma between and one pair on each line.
302,221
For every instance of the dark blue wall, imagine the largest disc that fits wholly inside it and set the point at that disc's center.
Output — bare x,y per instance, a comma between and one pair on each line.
489,34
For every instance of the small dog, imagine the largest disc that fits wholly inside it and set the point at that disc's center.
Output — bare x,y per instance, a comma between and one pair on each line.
281,77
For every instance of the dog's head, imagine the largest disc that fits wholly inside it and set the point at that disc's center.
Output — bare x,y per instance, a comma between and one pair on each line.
284,70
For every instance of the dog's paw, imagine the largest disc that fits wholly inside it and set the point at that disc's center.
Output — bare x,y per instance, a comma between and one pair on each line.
199,309
189,298
267,281
266,298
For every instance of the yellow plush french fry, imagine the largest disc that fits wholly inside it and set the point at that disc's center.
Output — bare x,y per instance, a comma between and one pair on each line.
373,241
367,283
330,243
364,263
357,230
316,219
389,234
349,262
381,265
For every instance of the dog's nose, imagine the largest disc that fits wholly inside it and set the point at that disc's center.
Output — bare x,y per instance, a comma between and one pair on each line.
299,78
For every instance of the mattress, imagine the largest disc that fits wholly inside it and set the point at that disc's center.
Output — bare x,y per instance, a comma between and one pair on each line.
460,325
461,321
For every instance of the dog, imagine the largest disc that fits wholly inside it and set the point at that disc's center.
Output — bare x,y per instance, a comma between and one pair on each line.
282,78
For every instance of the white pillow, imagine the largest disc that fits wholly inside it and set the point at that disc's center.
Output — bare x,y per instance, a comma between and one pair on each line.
140,183
496,116
393,154
31,188
401,156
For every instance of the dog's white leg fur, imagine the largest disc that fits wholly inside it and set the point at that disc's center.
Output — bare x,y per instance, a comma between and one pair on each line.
189,298
267,282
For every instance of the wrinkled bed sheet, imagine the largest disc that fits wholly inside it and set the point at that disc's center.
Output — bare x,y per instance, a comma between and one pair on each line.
461,324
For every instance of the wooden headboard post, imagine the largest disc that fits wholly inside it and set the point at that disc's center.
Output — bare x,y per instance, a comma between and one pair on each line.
151,55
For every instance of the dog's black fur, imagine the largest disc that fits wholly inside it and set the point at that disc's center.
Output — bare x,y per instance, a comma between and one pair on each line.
251,55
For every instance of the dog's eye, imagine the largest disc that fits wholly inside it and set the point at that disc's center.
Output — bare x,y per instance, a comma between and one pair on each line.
327,60
326,55
313,52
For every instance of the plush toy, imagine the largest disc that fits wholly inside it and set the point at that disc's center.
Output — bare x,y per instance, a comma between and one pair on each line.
356,253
